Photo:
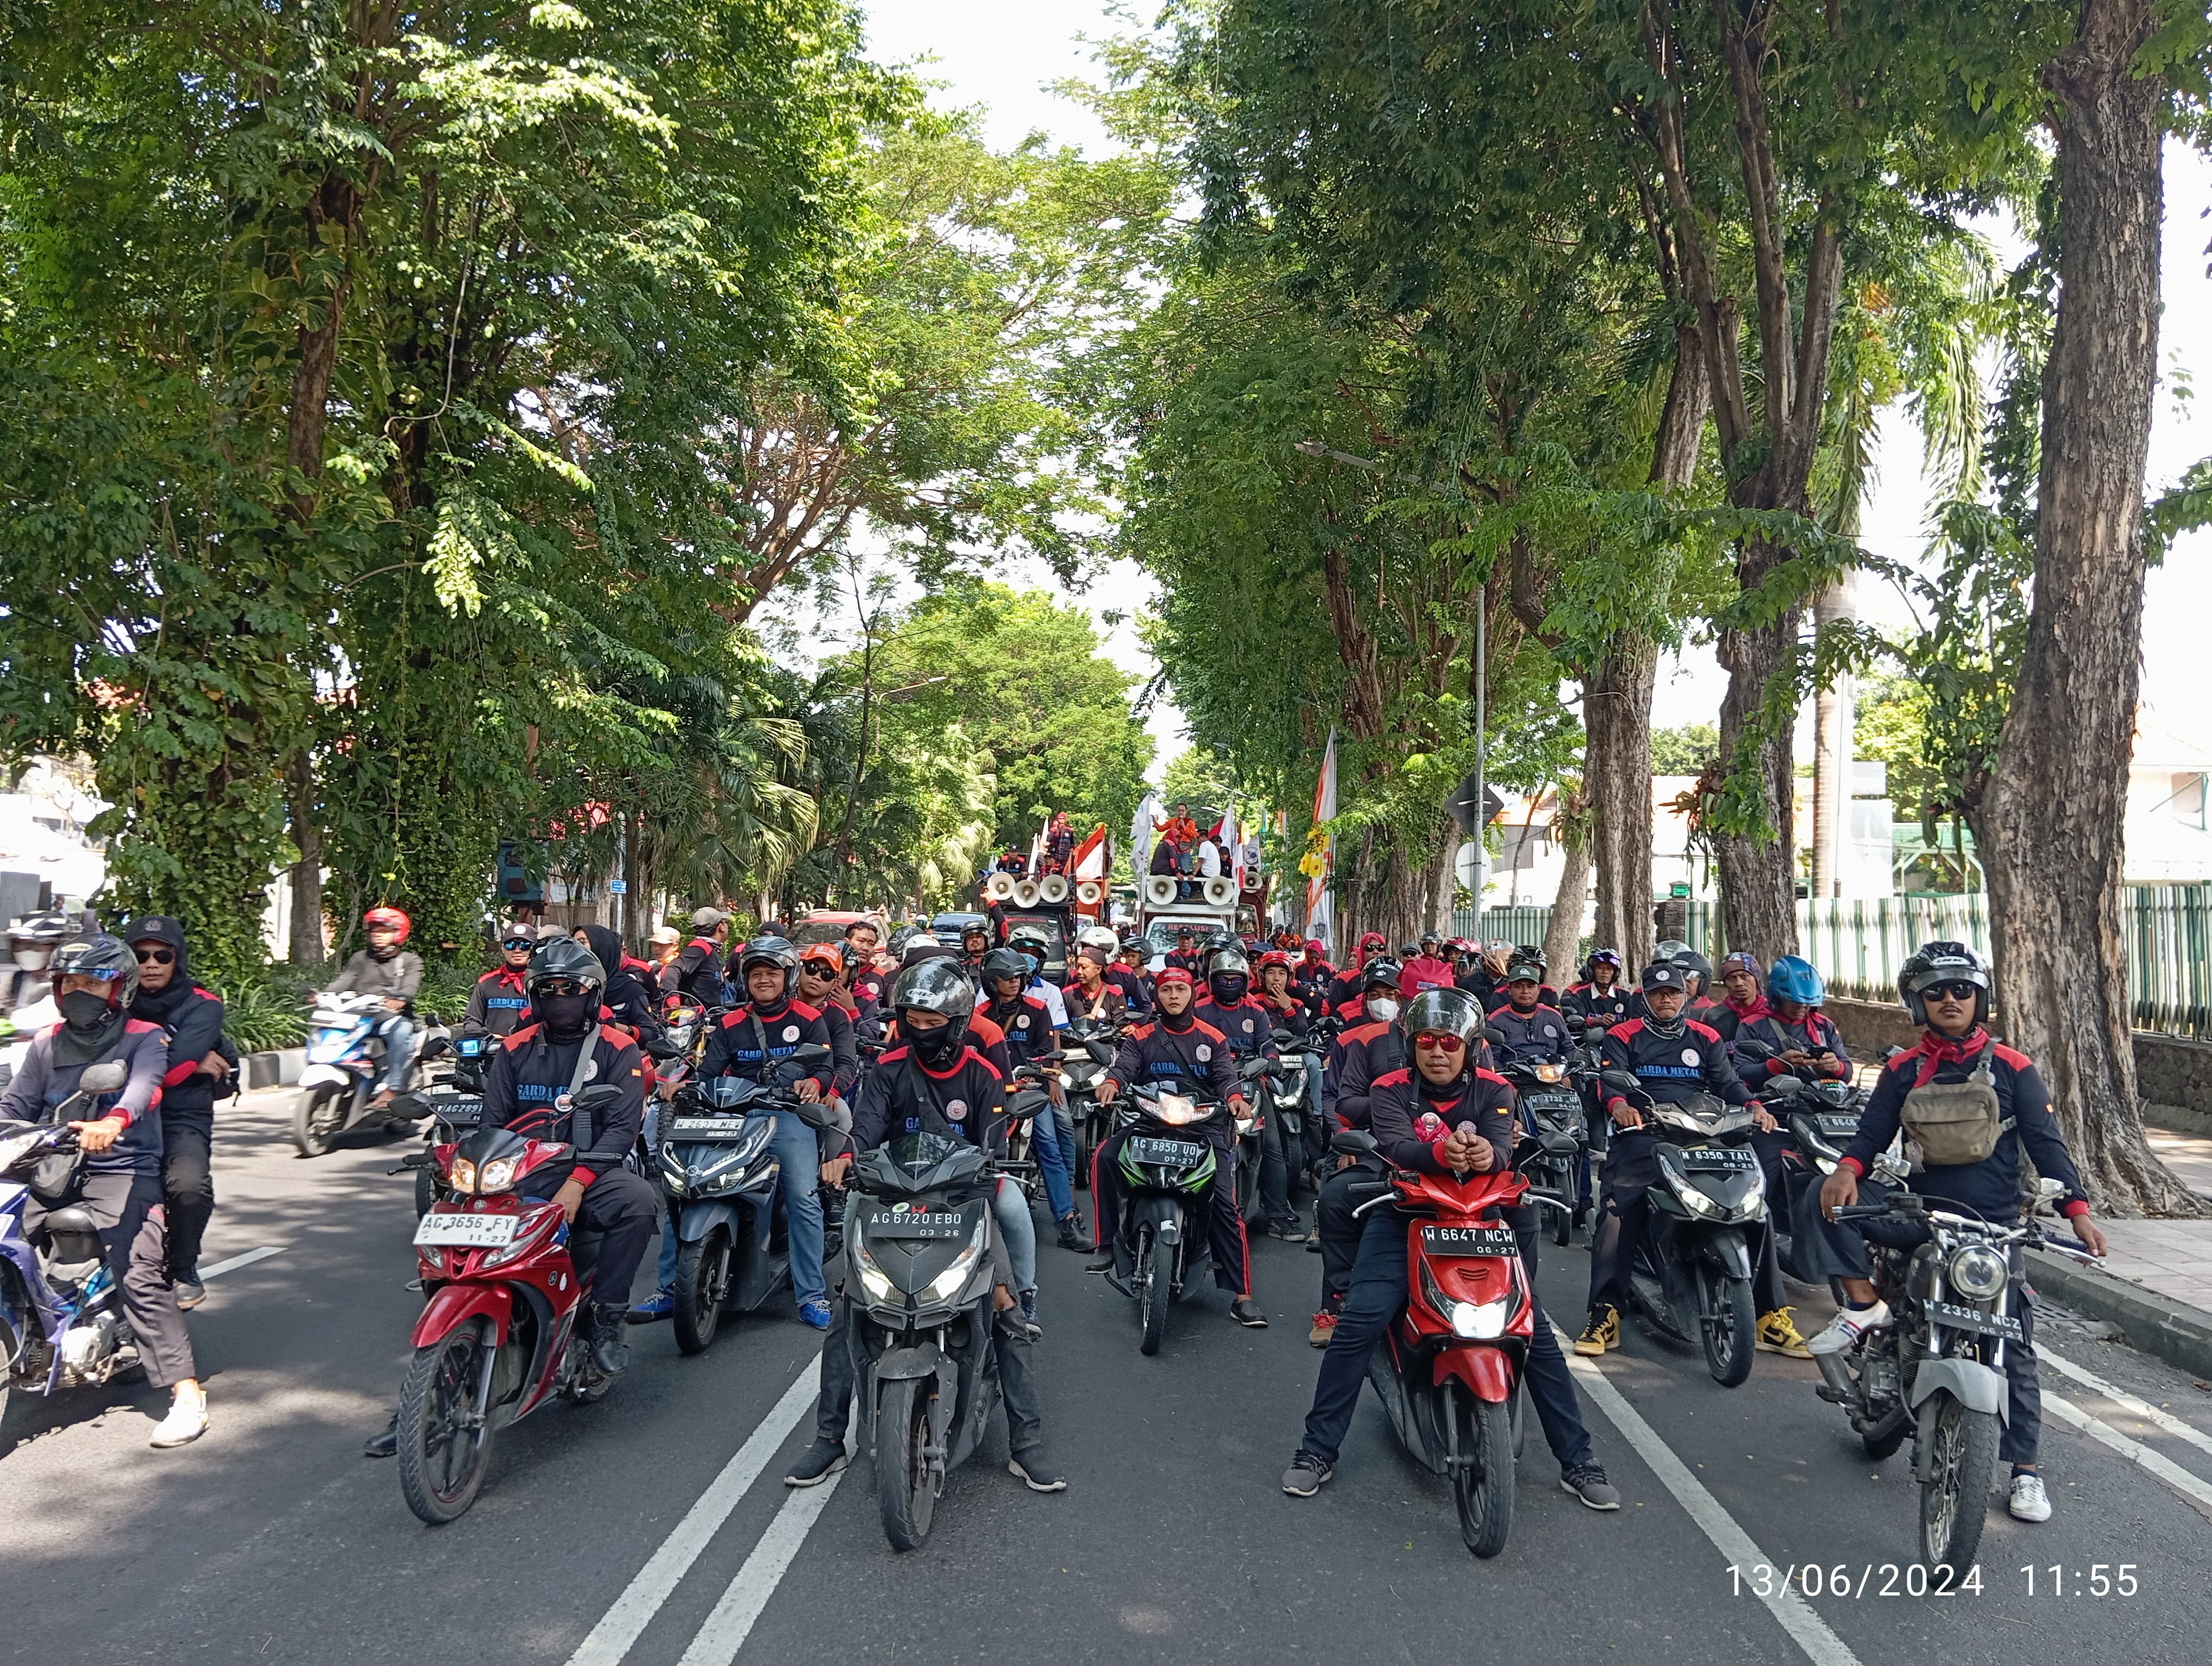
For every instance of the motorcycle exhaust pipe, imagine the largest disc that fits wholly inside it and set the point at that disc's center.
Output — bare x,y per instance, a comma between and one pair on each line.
1836,1381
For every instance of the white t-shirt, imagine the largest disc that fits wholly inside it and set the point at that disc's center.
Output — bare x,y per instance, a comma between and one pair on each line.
1209,859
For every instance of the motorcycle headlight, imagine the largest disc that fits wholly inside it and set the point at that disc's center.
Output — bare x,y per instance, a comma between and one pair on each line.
879,1288
462,1177
1481,1322
498,1174
1176,1109
947,1282
1067,1082
1976,1271
1694,1200
1551,1072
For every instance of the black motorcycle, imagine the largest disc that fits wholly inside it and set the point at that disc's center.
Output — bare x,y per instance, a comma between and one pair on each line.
453,1098
1161,1246
921,1283
1689,1274
1551,1118
1081,1067
1822,1117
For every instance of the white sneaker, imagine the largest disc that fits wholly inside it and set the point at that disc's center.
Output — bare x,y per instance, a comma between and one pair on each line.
1847,1327
188,1420
2029,1502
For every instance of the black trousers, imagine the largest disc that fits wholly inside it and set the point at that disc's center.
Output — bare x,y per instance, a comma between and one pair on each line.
1631,1170
1232,1253
622,1208
1275,1171
126,1209
187,1186
1838,1249
1338,1230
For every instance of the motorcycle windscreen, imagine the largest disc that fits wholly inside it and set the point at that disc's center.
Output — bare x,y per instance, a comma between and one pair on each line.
913,1244
921,1161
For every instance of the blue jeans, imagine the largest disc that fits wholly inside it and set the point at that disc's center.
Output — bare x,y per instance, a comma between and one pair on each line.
400,1035
799,1153
1378,1296
1052,1163
671,1247
1012,1206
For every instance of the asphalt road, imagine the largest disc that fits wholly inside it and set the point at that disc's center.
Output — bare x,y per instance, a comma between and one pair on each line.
653,1529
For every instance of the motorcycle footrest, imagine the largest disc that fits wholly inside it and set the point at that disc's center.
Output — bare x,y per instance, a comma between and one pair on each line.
1833,1397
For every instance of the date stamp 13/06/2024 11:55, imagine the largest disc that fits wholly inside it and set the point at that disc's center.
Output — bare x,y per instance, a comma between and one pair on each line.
1879,1579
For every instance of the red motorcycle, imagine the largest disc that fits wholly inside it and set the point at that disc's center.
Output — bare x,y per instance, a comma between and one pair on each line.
1448,1370
498,1336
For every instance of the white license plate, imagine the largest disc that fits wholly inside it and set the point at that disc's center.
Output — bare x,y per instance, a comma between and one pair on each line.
470,1232
1721,1159
706,1127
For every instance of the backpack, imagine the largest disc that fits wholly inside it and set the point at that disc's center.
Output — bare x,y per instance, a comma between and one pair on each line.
1956,1123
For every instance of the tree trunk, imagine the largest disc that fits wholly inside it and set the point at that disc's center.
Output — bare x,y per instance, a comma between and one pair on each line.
1831,751
2056,797
1564,936
305,947
1758,869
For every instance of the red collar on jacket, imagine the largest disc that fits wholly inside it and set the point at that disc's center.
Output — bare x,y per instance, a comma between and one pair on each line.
1758,1009
510,975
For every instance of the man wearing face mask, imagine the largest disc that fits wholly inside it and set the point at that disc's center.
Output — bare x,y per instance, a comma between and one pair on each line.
1230,1007
1360,1057
1192,1057
200,1066
118,1184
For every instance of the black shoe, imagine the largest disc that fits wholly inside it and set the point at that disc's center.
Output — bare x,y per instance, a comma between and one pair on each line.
1292,1230
1313,1243
1246,1312
385,1444
1027,1302
1103,1264
610,1351
1587,1481
1039,1472
1072,1235
1307,1474
821,1460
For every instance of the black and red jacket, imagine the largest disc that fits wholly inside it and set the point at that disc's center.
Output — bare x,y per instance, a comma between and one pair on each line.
1136,989
1313,976
1812,1032
1991,1187
1473,1099
1194,1059
1295,1015
902,1096
1671,1070
1248,1027
1112,1001
1361,1056
1026,1023
696,974
1728,1019
1539,1033
527,1089
735,1045
1601,1008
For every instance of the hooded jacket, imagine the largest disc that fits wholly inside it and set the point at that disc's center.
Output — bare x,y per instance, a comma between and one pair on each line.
40,1086
190,1015
626,994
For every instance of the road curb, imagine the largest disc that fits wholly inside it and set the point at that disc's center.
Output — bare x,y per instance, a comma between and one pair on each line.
2154,1324
281,1068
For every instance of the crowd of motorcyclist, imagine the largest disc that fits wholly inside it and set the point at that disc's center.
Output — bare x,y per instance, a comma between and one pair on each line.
1410,1049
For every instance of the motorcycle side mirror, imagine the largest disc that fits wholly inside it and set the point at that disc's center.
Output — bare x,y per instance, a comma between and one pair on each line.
1099,1052
1757,1052
1285,1038
1787,1087
436,1048
599,1096
661,1048
1623,1081
1495,1036
105,1077
2048,1190
1353,1142
1576,1024
816,1116
1252,1068
809,1054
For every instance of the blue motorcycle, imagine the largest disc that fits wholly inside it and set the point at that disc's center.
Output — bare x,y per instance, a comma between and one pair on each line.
60,1315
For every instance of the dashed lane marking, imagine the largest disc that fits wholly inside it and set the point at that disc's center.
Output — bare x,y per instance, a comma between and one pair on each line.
731,1621
246,1259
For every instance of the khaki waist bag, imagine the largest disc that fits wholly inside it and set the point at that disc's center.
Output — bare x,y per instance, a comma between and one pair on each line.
1956,1123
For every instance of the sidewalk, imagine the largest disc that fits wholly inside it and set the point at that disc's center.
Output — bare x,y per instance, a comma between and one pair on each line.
2156,1283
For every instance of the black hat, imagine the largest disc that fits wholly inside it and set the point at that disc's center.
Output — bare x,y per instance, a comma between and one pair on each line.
1664,974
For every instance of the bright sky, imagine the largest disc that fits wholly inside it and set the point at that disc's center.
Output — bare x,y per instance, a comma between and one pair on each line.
1001,56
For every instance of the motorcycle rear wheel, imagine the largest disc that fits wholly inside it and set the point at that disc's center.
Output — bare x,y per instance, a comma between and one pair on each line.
1955,1499
445,1434
1248,1183
1482,1487
702,1273
1563,1220
425,1191
316,1119
903,1487
1150,1283
1732,1334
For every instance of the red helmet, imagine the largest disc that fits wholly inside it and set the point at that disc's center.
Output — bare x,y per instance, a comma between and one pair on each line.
1275,958
1316,947
389,916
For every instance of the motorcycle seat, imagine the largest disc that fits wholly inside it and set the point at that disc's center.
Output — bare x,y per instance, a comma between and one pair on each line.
73,1220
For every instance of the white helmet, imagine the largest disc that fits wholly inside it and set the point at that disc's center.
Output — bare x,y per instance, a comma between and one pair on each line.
1101,938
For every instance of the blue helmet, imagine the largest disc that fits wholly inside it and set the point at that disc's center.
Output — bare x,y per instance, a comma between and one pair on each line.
1791,978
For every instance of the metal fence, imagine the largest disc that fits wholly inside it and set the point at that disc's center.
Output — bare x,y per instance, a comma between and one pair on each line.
1858,944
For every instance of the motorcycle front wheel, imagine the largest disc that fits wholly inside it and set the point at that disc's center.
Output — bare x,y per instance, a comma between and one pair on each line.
1248,1180
702,1274
1151,1285
1482,1486
445,1431
317,1117
1730,1329
425,1191
1954,1498
904,1488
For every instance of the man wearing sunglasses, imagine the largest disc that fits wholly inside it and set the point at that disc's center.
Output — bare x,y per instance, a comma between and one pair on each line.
1444,1115
498,1002
197,1070
1946,988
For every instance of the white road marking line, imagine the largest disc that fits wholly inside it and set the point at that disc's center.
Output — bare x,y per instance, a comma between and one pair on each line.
2149,1414
2133,1450
623,1624
731,1621
246,1259
1791,1610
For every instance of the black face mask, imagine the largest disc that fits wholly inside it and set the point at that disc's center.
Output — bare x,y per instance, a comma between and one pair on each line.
83,1011
1229,987
567,1015
939,1048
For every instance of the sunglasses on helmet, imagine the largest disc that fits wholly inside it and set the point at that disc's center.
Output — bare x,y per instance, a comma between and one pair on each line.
1957,989
1439,1043
560,986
